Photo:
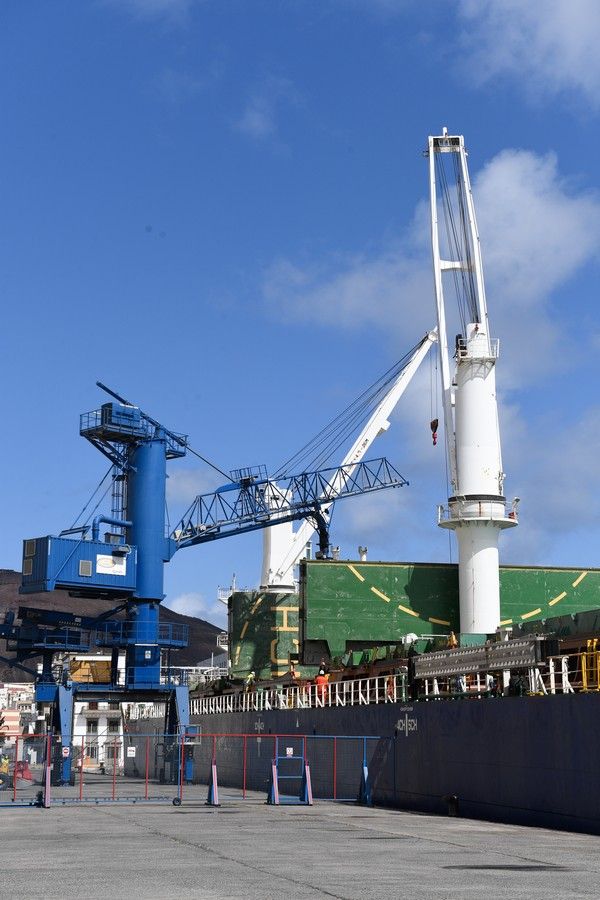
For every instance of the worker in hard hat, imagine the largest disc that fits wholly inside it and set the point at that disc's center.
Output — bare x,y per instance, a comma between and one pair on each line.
250,679
321,682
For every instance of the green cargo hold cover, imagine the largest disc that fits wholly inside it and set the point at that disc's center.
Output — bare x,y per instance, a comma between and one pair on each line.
346,605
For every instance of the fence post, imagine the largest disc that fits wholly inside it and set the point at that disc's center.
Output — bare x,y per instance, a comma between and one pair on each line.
181,765
114,781
245,761
15,771
365,795
335,768
212,798
81,767
47,788
147,764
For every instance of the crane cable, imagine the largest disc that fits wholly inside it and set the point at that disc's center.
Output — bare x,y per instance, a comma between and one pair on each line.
209,463
322,447
99,485
459,244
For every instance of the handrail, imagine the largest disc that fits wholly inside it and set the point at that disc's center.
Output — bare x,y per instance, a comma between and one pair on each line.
357,692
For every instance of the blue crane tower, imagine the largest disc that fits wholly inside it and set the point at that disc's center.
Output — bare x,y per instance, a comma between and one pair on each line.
125,565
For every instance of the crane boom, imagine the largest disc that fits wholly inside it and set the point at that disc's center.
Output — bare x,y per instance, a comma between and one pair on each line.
278,566
254,503
476,509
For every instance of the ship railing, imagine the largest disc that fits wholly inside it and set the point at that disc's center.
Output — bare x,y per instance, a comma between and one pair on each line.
568,673
138,711
355,692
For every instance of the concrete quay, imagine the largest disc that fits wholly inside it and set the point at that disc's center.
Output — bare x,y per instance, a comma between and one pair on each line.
246,850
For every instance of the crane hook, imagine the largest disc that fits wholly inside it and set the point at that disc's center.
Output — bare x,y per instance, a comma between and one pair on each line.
434,426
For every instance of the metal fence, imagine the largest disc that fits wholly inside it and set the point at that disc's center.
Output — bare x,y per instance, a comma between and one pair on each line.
152,768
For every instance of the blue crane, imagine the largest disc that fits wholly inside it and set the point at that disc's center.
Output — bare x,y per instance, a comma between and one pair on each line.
126,564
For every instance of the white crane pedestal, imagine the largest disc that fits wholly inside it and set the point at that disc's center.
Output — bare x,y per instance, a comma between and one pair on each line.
476,509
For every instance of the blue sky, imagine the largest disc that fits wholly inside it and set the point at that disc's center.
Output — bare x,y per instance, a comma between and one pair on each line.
219,208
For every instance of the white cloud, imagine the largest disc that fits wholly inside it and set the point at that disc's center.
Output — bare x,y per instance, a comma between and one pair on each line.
194,604
258,119
553,467
548,47
183,484
536,233
353,291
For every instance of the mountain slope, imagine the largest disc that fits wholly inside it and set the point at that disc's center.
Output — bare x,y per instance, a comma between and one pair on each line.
203,635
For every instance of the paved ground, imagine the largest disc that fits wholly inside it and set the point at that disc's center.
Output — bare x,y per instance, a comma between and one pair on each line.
251,851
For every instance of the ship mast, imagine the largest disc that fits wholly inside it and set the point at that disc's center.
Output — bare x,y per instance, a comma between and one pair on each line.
476,509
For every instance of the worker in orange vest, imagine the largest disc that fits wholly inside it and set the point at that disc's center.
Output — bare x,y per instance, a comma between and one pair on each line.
321,682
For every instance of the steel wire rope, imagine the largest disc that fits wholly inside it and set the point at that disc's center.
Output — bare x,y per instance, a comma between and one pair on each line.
94,492
332,435
455,244
357,418
98,503
466,272
336,426
451,234
209,463
467,275
338,438
84,527
338,421
325,448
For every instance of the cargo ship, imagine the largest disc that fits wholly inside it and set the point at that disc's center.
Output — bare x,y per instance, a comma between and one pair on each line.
477,685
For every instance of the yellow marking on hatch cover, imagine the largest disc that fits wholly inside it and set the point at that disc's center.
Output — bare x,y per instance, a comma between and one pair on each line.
557,599
256,605
244,630
379,594
355,572
533,612
237,653
577,580
410,612
507,622
439,621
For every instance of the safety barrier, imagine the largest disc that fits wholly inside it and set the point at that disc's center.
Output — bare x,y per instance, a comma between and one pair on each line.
156,768
245,762
23,769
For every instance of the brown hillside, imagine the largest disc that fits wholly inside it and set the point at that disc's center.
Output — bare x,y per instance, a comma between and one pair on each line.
203,635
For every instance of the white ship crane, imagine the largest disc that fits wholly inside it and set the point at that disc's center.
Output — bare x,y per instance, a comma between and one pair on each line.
476,509
282,546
